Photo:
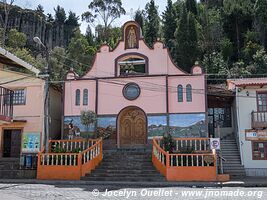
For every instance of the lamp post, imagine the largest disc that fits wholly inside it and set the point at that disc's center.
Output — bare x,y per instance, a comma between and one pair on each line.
46,75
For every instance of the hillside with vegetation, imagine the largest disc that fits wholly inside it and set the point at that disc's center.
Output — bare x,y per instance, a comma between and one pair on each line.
227,37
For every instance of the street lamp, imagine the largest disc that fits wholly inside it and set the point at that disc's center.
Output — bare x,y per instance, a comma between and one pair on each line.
46,75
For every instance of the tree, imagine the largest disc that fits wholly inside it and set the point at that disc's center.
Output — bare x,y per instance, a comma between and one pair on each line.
70,26
90,36
80,54
60,15
191,6
186,41
105,12
237,11
88,118
40,9
7,6
260,8
139,18
169,26
16,39
152,23
58,64
214,63
260,61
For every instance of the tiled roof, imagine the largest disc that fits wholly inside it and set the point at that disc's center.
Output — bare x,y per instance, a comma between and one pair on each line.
248,81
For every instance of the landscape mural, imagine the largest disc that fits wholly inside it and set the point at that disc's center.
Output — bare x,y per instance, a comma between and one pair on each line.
188,125
106,127
157,125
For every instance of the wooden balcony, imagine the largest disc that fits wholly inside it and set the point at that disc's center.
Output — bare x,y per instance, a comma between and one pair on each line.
6,105
258,119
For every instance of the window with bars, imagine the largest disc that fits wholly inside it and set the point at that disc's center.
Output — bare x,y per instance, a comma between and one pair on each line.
85,97
77,97
262,102
180,93
19,97
259,150
188,93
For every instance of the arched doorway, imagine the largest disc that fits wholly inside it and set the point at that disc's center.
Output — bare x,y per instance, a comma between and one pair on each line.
132,128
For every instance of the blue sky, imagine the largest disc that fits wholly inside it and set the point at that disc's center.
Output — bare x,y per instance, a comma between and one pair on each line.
80,6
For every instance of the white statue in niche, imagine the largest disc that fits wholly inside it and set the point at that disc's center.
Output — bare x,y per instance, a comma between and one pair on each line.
132,41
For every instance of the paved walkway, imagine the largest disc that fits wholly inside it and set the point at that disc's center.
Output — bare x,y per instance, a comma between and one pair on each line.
237,182
20,191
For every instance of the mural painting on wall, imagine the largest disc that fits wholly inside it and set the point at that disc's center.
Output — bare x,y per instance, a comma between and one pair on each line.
157,125
73,128
188,125
31,142
106,128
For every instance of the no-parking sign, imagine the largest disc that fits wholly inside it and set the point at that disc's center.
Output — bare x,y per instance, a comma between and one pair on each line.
215,143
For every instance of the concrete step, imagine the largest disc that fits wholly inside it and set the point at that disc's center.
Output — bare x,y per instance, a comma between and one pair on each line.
118,174
127,179
18,174
130,171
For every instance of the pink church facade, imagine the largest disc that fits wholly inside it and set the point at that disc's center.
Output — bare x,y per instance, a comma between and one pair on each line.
137,93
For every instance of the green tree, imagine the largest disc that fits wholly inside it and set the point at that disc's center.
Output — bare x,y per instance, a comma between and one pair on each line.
58,66
152,23
214,63
80,54
260,61
6,6
105,12
186,41
226,48
139,17
60,15
191,6
169,26
260,8
16,39
237,13
70,26
211,28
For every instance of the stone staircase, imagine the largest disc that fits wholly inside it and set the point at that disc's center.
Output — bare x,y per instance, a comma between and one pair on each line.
230,152
125,165
10,169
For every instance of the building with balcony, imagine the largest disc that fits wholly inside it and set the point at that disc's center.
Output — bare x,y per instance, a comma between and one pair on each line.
6,105
251,115
22,135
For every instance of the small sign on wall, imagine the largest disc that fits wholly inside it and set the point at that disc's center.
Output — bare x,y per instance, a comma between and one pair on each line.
256,134
215,143
31,142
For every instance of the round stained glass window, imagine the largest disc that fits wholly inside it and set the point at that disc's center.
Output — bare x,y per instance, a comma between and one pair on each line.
131,91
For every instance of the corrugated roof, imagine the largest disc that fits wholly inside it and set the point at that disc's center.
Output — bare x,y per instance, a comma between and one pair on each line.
10,59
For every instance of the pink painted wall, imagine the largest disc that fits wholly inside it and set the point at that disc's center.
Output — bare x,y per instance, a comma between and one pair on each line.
69,100
153,89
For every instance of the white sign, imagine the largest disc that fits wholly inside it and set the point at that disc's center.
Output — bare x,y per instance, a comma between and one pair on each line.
215,143
251,134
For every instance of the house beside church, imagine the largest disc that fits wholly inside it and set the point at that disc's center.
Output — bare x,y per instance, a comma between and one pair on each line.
251,114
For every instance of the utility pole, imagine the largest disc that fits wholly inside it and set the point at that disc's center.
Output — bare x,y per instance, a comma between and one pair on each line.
46,75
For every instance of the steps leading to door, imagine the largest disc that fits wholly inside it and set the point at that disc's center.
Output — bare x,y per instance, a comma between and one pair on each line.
125,165
230,152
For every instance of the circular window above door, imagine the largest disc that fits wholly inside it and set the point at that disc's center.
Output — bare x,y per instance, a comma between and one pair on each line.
131,91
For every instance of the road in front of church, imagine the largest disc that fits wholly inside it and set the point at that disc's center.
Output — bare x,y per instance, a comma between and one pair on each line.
87,192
